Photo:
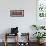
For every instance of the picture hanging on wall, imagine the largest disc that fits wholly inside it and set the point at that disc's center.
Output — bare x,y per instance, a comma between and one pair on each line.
17,13
41,8
41,12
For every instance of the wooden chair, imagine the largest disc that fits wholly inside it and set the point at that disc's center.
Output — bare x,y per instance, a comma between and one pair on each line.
27,37
8,34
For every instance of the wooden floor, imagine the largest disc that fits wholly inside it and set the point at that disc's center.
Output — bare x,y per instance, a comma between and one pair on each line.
13,44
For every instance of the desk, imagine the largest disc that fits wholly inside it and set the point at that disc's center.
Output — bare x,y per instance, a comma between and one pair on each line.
8,34
17,43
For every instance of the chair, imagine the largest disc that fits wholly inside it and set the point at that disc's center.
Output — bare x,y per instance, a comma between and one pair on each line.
25,36
14,32
7,35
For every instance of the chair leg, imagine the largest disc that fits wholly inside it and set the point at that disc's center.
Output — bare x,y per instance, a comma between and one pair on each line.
5,40
17,39
5,43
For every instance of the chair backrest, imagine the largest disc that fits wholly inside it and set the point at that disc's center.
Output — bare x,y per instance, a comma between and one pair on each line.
14,30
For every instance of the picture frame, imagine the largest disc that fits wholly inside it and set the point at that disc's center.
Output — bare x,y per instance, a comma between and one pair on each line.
41,12
17,13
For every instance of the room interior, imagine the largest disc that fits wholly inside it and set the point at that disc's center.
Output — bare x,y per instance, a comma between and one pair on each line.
22,22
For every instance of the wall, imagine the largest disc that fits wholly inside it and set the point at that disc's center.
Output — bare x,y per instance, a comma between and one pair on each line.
23,23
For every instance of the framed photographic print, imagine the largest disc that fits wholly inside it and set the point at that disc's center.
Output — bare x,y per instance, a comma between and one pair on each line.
41,8
41,12
17,13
